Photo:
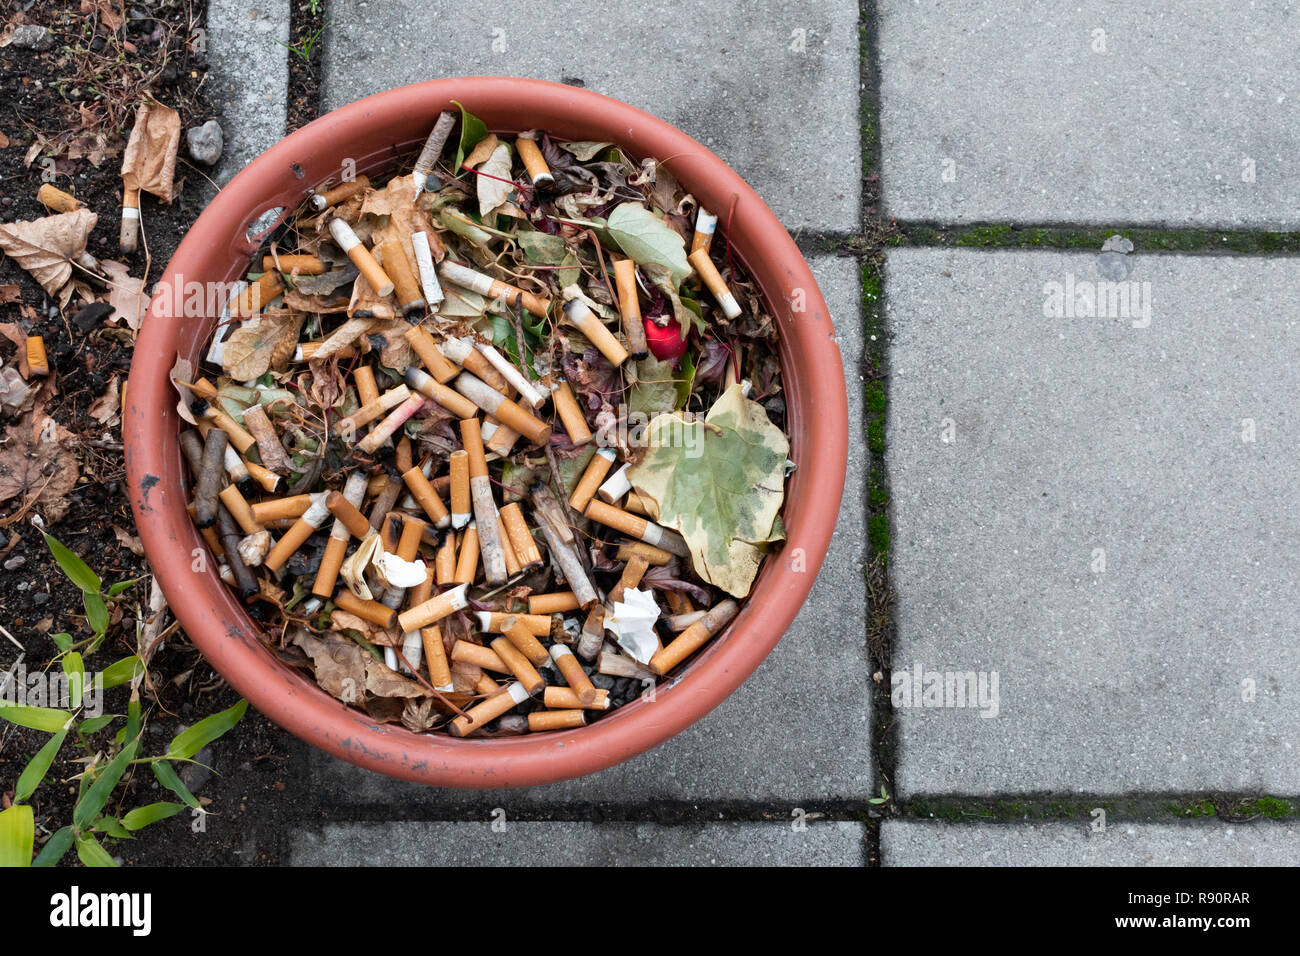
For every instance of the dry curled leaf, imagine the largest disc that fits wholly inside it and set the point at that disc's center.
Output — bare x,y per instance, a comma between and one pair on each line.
48,247
129,541
266,342
183,371
149,163
125,294
338,663
105,409
38,467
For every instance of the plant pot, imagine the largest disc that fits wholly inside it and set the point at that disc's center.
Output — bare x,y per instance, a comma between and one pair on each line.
373,132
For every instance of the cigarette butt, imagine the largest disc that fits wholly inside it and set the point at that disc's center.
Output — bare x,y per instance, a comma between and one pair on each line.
615,486
485,684
521,539
361,257
484,396
498,438
424,265
375,408
408,545
293,506
128,234
526,643
466,652
347,513
239,437
57,199
258,295
538,172
680,622
340,193
444,561
492,708
694,637
573,673
555,603
471,438
705,225
656,556
395,420
269,447
637,527
402,453
592,638
633,572
613,664
239,509
542,720
590,325
434,609
327,575
303,265
513,566
302,529
575,423
214,544
563,698
707,271
399,270
306,351
433,146
438,365
591,479
519,665
634,504
371,611
467,560
485,285
426,497
209,479
363,377
265,477
38,364
462,352
629,307
435,658
390,528
431,388
529,394
460,503
496,622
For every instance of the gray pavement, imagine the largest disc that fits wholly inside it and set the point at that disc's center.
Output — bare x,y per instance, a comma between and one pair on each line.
770,742
913,843
1091,113
250,77
770,86
1110,525
500,841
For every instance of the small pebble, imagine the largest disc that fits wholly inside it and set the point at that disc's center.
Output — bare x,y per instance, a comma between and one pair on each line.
205,142
14,563
30,36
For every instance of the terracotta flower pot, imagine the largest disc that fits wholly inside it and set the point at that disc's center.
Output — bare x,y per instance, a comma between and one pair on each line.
372,132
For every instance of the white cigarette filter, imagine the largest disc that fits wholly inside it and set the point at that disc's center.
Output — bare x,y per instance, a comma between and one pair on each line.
528,392
704,267
705,225
616,485
428,275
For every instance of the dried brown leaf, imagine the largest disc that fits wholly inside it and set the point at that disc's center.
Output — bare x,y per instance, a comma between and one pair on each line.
129,541
482,151
339,664
106,408
38,466
125,294
48,247
183,371
264,343
149,163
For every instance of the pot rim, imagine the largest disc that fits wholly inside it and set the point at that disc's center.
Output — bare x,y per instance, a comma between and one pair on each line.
208,611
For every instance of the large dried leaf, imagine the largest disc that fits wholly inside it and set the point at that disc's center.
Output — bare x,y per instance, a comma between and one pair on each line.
648,239
48,247
492,192
720,482
38,467
183,371
125,294
266,342
339,664
149,163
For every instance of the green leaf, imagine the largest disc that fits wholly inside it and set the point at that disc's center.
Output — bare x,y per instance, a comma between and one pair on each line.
541,249
166,775
33,774
91,853
720,483
472,129
96,612
35,718
649,240
655,389
189,742
95,724
685,379
62,641
76,569
120,586
120,672
17,835
112,826
141,817
75,668
132,729
55,847
455,220
94,799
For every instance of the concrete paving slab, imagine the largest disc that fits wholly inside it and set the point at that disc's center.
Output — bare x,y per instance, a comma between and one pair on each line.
798,730
914,843
1101,513
1096,113
249,82
770,86
413,843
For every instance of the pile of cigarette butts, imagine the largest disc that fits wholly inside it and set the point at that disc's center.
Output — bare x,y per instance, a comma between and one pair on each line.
406,453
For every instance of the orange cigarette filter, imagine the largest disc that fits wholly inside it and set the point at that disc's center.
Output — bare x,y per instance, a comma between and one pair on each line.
375,408
57,199
399,269
596,471
363,376
496,622
461,508
435,657
327,574
467,652
433,610
704,267
340,193
538,171
575,423
408,545
303,265
694,637
239,436
444,562
239,509
633,571
293,506
705,225
437,364
519,665
563,698
485,285
347,512
371,611
656,556
590,325
448,398
265,477
526,643
486,685
477,717
293,539
426,497
513,566
361,257
629,306
258,295
467,560
521,540
555,603
573,673
542,720
471,437
306,351
37,362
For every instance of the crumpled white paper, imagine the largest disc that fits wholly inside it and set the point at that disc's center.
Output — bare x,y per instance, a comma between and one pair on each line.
633,624
397,573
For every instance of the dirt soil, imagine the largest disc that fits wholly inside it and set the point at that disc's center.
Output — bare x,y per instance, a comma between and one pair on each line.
68,111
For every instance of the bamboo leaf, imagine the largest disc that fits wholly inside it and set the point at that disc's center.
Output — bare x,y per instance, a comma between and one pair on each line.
94,799
96,612
166,775
47,719
34,773
75,668
17,835
186,744
91,853
141,817
120,672
55,847
76,569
